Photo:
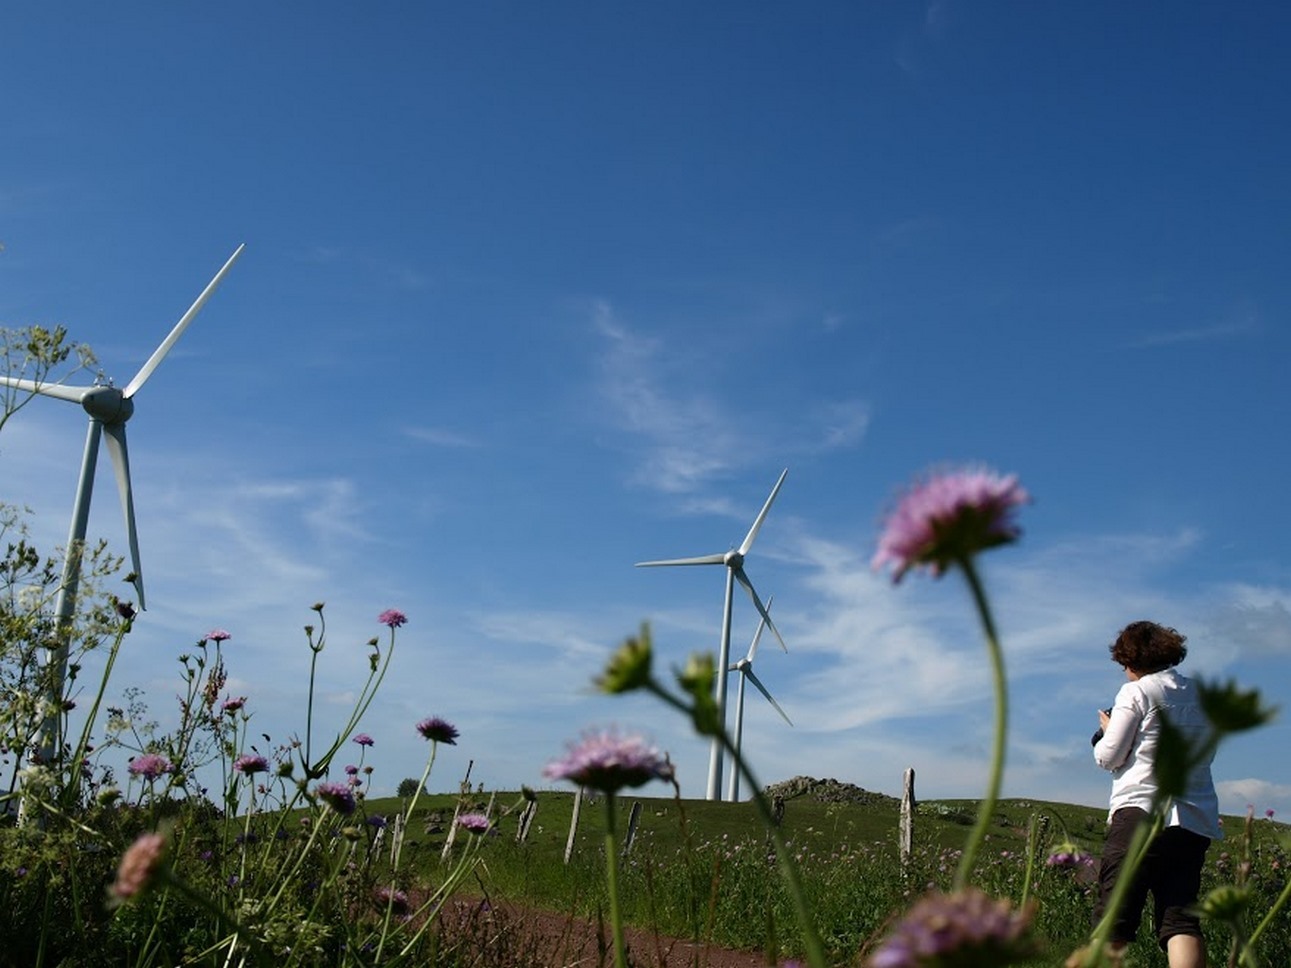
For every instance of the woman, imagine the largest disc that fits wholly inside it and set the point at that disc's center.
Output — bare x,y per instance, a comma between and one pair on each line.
1171,871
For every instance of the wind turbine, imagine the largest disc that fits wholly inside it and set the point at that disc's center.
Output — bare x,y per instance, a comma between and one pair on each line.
745,668
109,407
734,562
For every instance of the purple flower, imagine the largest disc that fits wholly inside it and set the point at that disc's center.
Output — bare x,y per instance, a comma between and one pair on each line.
476,823
947,518
231,706
351,770
609,761
393,618
1270,813
376,820
965,928
395,900
1068,859
438,730
150,766
138,866
217,635
250,763
363,739
338,796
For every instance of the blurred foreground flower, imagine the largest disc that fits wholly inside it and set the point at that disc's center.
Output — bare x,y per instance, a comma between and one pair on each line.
947,518
338,796
138,866
608,761
476,823
967,929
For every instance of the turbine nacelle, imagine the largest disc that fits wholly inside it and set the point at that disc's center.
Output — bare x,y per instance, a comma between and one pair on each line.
733,559
107,404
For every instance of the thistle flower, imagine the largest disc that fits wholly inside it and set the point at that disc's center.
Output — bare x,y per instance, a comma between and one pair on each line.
338,796
150,766
393,618
217,635
138,866
251,763
609,761
967,929
363,739
476,823
438,730
947,519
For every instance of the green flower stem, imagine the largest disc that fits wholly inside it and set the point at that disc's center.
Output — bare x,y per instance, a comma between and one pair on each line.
1247,956
986,810
74,778
788,869
612,883
425,775
1032,831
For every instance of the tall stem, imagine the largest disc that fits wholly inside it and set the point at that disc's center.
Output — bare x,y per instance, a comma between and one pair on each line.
986,810
612,883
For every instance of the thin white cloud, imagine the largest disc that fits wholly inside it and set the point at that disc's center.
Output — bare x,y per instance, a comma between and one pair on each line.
441,437
1221,332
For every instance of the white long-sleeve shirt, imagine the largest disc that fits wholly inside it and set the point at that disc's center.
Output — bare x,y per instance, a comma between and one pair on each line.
1129,745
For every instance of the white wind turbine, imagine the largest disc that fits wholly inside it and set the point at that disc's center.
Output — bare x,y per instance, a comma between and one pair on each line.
109,407
745,668
734,562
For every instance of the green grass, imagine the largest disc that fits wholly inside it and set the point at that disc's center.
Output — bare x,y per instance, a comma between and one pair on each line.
700,870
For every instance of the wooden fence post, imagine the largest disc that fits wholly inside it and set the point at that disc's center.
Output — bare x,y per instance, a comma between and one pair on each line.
633,819
573,824
907,816
526,821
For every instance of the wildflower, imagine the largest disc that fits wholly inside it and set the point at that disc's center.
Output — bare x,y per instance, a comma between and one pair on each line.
217,635
966,928
351,770
629,667
1067,858
1270,813
393,618
231,706
395,900
363,739
376,820
250,763
138,865
948,518
150,766
124,609
608,762
338,796
438,730
476,823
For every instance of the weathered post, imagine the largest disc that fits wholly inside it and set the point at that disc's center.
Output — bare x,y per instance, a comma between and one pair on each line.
526,821
463,792
573,824
907,816
633,819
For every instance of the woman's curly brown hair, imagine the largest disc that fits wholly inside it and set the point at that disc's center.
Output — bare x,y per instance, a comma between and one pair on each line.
1148,647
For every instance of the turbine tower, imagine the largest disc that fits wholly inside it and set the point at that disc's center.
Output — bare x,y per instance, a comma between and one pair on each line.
734,562
109,407
745,668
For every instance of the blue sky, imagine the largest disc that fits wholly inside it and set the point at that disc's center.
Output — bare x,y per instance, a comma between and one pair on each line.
535,292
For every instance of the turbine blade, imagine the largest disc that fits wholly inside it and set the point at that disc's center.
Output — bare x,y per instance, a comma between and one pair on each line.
757,636
59,390
763,689
116,438
757,603
701,560
159,354
753,531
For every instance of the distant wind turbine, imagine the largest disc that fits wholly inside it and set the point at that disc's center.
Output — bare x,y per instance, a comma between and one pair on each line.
734,562
745,668
109,407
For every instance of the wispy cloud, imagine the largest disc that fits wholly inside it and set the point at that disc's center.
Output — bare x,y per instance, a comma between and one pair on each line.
1232,329
441,437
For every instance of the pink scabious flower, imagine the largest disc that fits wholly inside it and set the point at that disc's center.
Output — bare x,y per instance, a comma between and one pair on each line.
138,866
395,900
947,518
250,763
231,706
966,928
393,618
609,761
363,739
217,635
476,823
438,730
150,766
1067,860
338,796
